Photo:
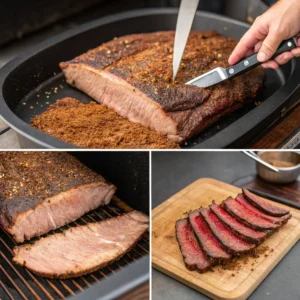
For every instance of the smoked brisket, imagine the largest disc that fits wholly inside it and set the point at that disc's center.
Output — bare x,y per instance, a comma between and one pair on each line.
193,256
133,75
41,191
82,249
264,206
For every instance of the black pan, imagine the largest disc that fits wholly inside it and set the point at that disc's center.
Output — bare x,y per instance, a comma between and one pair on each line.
24,81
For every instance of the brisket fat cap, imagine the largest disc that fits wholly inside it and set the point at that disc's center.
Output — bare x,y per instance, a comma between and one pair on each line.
138,69
193,255
82,249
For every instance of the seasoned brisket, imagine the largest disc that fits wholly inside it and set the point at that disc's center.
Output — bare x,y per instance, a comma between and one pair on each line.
249,218
265,206
133,76
276,220
231,229
83,249
226,237
209,243
193,256
41,191
240,229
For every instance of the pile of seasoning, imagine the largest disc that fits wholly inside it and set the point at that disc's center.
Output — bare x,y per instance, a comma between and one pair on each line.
96,126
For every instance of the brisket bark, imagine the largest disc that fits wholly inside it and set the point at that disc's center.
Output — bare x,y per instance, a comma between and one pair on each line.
41,191
193,256
226,237
264,206
82,249
209,243
133,76
276,220
240,229
249,218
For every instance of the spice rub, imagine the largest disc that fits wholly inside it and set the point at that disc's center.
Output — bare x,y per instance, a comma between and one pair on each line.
95,126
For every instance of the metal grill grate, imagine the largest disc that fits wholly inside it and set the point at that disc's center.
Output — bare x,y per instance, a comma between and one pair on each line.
19,283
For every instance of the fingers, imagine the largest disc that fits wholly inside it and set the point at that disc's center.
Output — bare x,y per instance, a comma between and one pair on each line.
247,42
284,57
270,45
296,52
271,64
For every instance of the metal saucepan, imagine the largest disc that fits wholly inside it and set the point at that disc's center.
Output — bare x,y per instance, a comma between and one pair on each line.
285,174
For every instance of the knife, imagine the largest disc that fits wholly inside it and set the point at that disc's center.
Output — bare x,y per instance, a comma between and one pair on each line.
185,19
219,74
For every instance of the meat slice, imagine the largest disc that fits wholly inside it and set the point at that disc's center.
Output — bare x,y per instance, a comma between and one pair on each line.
246,216
41,191
83,249
133,75
226,237
277,220
240,229
209,243
264,206
193,256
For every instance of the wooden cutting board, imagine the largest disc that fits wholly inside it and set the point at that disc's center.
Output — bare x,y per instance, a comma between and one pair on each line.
220,284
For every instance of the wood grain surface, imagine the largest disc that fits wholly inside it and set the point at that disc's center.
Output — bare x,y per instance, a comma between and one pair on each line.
289,191
220,284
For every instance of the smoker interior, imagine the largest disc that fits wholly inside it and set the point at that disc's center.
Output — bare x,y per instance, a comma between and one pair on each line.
43,83
18,283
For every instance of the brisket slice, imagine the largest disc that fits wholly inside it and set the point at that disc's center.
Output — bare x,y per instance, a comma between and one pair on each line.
209,243
226,237
276,220
249,218
240,229
41,191
133,76
193,256
83,249
264,206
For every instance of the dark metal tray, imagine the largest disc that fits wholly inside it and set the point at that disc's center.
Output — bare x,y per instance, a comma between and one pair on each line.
25,82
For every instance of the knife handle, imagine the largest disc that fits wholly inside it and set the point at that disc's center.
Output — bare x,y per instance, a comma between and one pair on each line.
251,62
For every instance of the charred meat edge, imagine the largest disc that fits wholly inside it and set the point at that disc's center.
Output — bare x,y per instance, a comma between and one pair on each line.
223,243
256,241
254,226
194,266
263,206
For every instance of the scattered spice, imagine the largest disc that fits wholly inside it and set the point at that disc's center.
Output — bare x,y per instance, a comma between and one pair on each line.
95,126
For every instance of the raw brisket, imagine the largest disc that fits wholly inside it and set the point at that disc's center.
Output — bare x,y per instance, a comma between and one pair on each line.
133,76
41,191
209,243
226,237
276,220
194,257
246,216
83,249
239,228
264,206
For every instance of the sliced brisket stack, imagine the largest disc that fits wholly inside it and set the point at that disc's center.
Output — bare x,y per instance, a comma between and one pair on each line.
41,191
133,75
211,236
82,249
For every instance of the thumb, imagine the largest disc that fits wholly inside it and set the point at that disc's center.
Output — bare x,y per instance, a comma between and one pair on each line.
269,46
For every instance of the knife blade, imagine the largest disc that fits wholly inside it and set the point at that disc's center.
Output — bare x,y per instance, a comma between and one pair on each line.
219,74
185,20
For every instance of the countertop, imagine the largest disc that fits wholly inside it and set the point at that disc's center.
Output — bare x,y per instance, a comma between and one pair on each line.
173,171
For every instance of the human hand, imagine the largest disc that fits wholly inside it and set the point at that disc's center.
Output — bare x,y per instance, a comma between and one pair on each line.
280,22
